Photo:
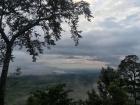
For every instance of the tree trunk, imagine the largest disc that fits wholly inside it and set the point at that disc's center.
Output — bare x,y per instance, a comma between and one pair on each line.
4,73
135,94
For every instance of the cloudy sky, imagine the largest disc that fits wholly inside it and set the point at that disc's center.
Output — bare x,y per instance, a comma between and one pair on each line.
113,33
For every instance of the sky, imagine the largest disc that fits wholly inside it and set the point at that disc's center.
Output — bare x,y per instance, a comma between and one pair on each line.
113,33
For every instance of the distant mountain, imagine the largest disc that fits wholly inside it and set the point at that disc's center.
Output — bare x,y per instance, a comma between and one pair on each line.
50,71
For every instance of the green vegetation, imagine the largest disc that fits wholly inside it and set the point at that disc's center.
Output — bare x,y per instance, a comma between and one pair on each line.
111,89
129,69
55,95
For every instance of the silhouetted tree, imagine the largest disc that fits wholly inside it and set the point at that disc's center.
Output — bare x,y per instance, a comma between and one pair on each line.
93,98
79,102
118,94
129,70
55,95
111,88
106,77
19,20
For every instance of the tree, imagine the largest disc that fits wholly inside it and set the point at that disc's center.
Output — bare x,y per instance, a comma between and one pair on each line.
107,76
93,98
79,102
55,95
129,69
111,88
19,20
118,94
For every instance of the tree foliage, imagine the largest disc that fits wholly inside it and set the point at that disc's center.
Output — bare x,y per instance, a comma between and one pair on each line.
105,79
129,69
55,95
93,98
111,88
20,21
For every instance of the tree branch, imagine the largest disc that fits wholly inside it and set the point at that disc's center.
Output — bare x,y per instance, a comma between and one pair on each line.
27,27
1,13
3,35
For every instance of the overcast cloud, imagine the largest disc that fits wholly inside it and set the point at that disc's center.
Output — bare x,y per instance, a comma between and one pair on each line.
112,34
